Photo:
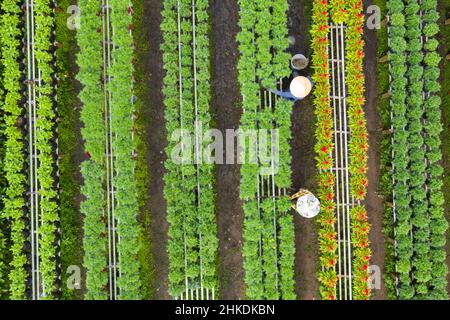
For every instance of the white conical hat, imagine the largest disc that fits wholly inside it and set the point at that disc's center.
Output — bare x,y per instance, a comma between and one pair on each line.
300,87
308,205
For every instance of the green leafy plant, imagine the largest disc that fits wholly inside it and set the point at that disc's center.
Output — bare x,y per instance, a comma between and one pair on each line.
416,130
15,206
188,187
90,61
268,247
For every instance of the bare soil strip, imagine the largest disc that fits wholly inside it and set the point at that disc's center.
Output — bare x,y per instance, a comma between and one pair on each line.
303,163
374,203
226,110
156,139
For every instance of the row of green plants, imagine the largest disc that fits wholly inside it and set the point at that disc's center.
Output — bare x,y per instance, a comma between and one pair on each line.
14,111
14,156
414,114
385,185
3,226
46,119
142,125
420,227
90,62
400,160
434,170
122,122
444,40
188,185
68,142
268,247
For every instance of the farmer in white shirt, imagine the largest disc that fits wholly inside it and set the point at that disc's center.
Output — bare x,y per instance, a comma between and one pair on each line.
300,86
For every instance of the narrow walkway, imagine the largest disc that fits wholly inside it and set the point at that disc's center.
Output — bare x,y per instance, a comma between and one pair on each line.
225,103
303,162
156,139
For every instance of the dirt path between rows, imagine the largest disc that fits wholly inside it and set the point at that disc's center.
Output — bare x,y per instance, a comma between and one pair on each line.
303,163
156,139
225,103
374,203
444,9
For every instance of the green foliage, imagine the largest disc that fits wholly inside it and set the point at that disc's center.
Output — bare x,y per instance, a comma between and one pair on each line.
3,222
121,112
418,164
71,234
188,187
89,61
14,157
444,39
268,247
46,116
142,91
14,160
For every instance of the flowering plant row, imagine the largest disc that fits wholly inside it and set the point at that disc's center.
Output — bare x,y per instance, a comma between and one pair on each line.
358,146
348,12
324,148
188,187
268,228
